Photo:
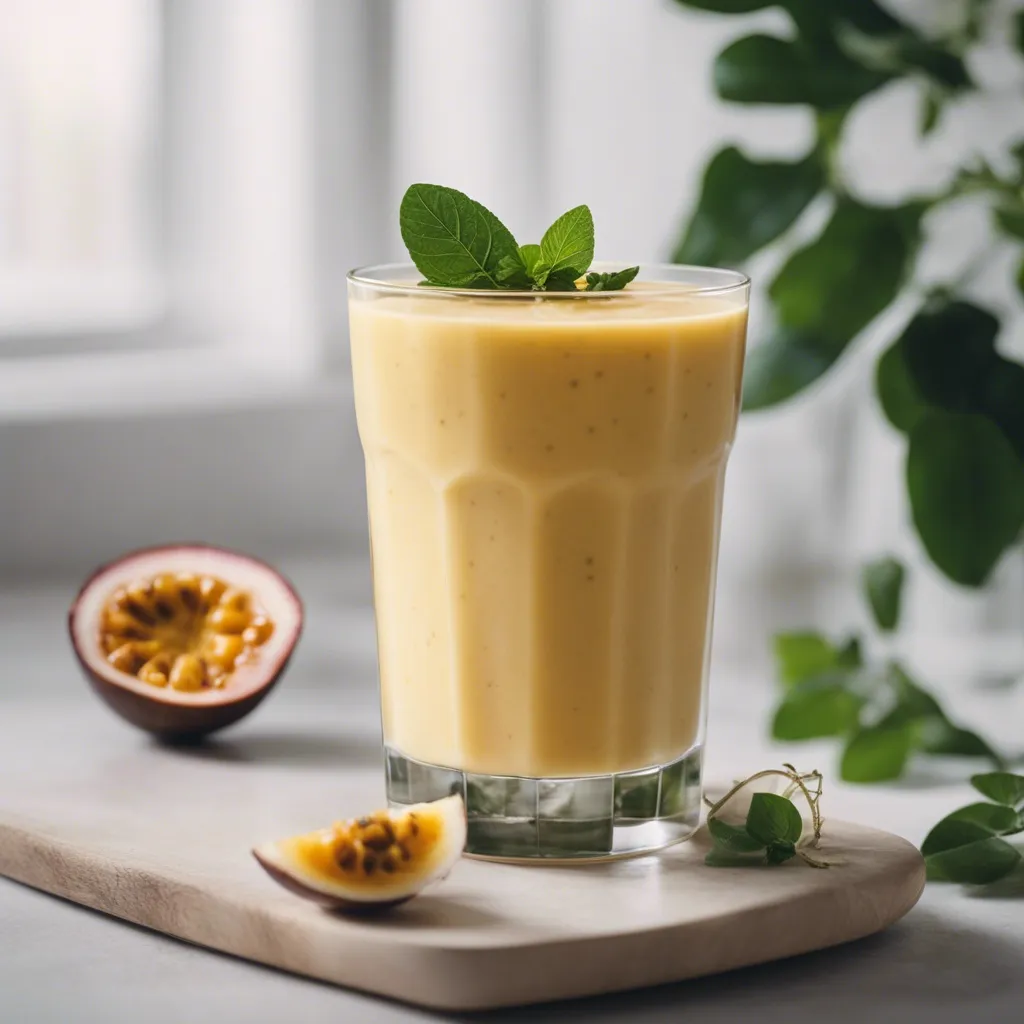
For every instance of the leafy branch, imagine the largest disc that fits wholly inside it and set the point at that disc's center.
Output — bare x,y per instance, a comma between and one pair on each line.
772,831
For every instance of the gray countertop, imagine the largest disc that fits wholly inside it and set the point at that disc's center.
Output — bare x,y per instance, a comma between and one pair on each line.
957,956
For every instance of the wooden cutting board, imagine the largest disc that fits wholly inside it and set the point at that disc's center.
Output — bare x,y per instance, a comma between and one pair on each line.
162,838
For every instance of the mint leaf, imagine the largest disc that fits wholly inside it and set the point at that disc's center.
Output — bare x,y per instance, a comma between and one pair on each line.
941,736
1002,787
512,272
560,280
453,240
883,587
978,863
877,754
611,282
530,256
734,838
773,819
569,243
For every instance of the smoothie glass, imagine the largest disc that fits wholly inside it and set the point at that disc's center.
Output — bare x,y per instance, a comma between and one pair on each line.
544,476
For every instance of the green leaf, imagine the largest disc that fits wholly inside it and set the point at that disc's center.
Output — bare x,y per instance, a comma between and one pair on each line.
883,586
898,395
939,736
512,272
966,490
766,69
734,838
829,289
849,655
1020,277
453,240
611,282
784,365
779,853
992,819
773,819
746,204
912,701
877,754
530,256
1011,221
800,656
560,281
955,830
816,708
1002,787
1018,30
978,863
716,857
569,243
1003,401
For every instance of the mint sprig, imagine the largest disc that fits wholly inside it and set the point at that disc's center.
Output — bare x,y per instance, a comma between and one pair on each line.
967,845
456,242
772,830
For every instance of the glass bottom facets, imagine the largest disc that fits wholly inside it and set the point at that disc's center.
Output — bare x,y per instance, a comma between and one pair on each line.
596,816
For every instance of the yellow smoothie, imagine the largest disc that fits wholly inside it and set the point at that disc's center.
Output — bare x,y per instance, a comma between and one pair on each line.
545,487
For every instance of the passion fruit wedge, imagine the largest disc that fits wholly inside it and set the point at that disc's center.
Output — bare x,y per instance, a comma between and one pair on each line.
370,863
184,640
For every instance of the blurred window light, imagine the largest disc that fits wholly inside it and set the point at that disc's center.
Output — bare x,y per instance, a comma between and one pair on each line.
79,130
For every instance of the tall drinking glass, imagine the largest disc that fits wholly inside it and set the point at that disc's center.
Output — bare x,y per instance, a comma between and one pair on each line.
544,474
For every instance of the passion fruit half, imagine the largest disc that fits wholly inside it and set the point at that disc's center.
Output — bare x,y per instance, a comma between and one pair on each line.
184,640
370,863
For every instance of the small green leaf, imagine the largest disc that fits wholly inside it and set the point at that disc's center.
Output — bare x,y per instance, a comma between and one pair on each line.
1020,277
729,6
512,272
452,239
966,490
883,587
560,281
773,819
877,754
530,256
1018,30
849,655
766,69
716,857
977,863
800,656
911,700
1011,221
734,838
1003,401
816,708
569,243
779,853
1002,787
746,204
611,282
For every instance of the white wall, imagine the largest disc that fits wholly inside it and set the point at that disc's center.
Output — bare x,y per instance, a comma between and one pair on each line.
534,107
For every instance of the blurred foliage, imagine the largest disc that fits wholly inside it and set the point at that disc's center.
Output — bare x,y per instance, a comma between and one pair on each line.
942,383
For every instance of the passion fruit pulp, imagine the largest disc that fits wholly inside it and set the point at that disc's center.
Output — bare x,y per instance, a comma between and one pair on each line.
186,639
373,862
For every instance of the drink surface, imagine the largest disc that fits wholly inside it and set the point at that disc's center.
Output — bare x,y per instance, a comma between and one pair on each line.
545,484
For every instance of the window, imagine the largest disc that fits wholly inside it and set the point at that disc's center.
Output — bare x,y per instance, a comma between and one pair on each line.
78,123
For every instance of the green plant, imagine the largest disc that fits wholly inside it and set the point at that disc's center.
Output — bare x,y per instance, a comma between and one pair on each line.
966,846
942,382
876,710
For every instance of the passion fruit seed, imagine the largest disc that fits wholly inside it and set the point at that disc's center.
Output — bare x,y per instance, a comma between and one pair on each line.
373,842
183,630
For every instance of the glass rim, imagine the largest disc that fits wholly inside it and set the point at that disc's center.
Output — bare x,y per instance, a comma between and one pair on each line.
381,278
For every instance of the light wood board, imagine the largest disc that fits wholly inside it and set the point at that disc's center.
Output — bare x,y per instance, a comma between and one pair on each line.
162,838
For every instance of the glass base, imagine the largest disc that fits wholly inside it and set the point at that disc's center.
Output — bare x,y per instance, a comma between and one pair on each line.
593,817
